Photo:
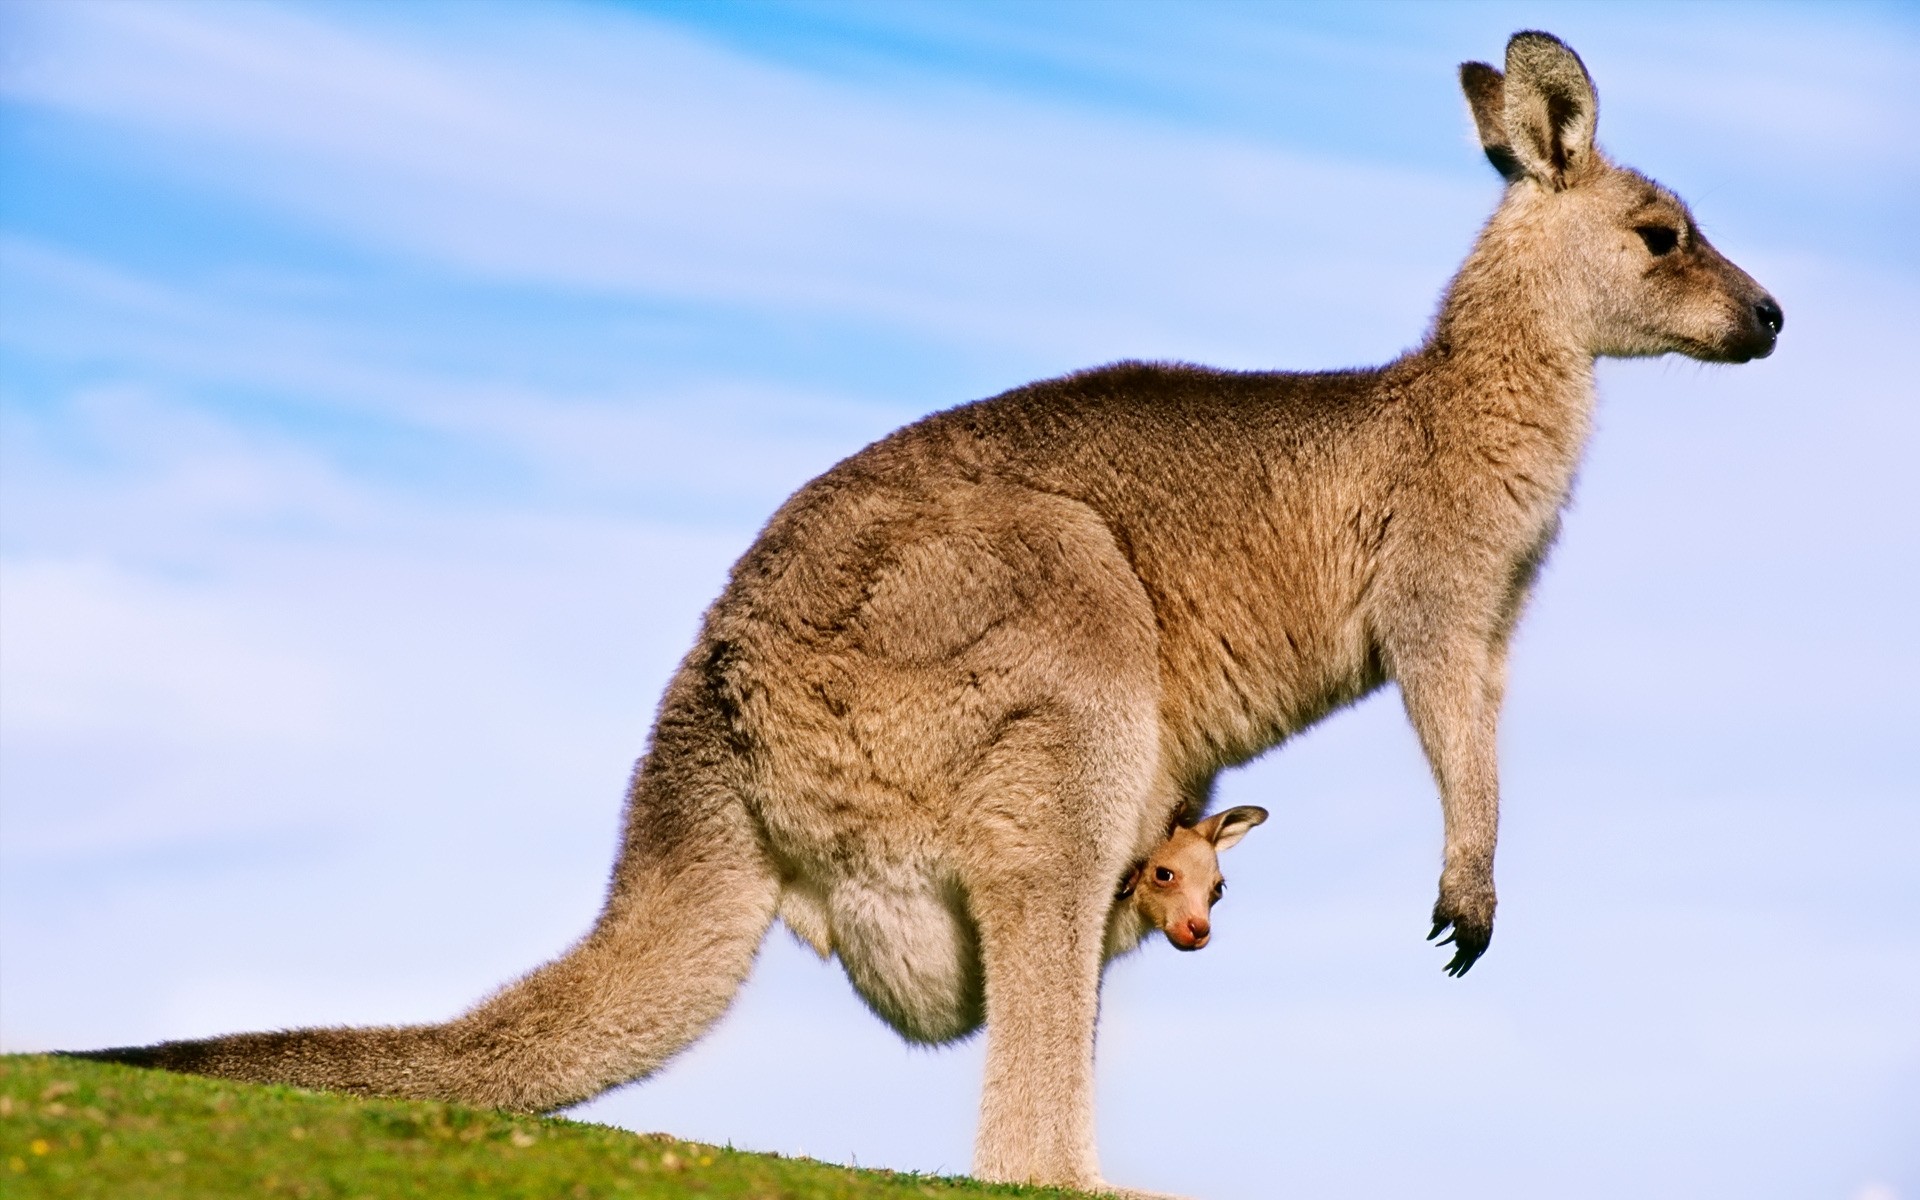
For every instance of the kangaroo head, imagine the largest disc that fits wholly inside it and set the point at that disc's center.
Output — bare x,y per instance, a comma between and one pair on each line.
1609,260
1177,887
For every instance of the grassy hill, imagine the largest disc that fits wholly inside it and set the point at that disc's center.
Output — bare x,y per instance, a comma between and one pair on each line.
81,1129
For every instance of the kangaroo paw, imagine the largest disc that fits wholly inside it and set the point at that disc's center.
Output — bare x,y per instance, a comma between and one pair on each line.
1472,928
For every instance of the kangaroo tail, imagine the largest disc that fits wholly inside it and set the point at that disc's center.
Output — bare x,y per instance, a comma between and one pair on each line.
692,896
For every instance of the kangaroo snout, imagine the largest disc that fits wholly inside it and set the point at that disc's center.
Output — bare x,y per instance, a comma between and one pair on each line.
1190,934
1753,317
1760,332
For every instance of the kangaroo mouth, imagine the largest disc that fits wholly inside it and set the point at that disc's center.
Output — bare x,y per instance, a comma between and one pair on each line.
1758,342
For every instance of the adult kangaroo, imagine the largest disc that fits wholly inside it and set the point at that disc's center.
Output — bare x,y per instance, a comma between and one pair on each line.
970,676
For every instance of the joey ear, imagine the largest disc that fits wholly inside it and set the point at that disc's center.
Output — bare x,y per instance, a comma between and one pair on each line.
1226,828
1487,97
1550,108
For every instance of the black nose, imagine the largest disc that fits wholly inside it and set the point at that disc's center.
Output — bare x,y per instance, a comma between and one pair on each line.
1770,315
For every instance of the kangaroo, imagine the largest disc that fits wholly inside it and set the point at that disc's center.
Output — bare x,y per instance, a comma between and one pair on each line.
1175,888
968,675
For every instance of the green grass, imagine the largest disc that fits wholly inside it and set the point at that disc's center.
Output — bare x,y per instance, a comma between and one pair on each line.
82,1129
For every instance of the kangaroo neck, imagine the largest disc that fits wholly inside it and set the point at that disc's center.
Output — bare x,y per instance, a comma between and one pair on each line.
1505,350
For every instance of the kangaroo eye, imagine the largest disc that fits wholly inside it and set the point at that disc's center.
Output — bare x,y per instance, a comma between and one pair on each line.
1163,874
1660,239
1219,890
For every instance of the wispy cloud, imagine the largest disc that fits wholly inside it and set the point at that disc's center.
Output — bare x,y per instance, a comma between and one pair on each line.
641,443
702,174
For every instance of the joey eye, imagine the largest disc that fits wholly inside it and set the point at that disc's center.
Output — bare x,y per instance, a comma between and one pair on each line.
1219,890
1660,239
1163,874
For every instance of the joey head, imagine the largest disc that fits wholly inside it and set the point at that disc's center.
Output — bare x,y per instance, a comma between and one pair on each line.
1175,888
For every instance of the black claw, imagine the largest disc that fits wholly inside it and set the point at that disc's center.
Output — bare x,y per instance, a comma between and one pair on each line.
1469,945
1468,938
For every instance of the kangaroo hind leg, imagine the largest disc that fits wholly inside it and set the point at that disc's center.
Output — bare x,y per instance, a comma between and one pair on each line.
1046,851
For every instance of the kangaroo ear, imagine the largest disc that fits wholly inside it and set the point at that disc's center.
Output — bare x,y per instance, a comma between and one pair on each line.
1225,829
1487,97
1549,110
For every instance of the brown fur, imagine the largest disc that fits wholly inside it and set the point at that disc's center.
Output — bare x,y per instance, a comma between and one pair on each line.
969,675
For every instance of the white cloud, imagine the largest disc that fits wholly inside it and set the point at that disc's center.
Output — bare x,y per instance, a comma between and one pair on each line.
655,163
91,648
1825,94
710,439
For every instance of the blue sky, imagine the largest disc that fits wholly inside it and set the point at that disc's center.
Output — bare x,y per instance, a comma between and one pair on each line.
388,387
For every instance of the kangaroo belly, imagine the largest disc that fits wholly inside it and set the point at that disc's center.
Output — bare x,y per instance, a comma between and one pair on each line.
908,945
